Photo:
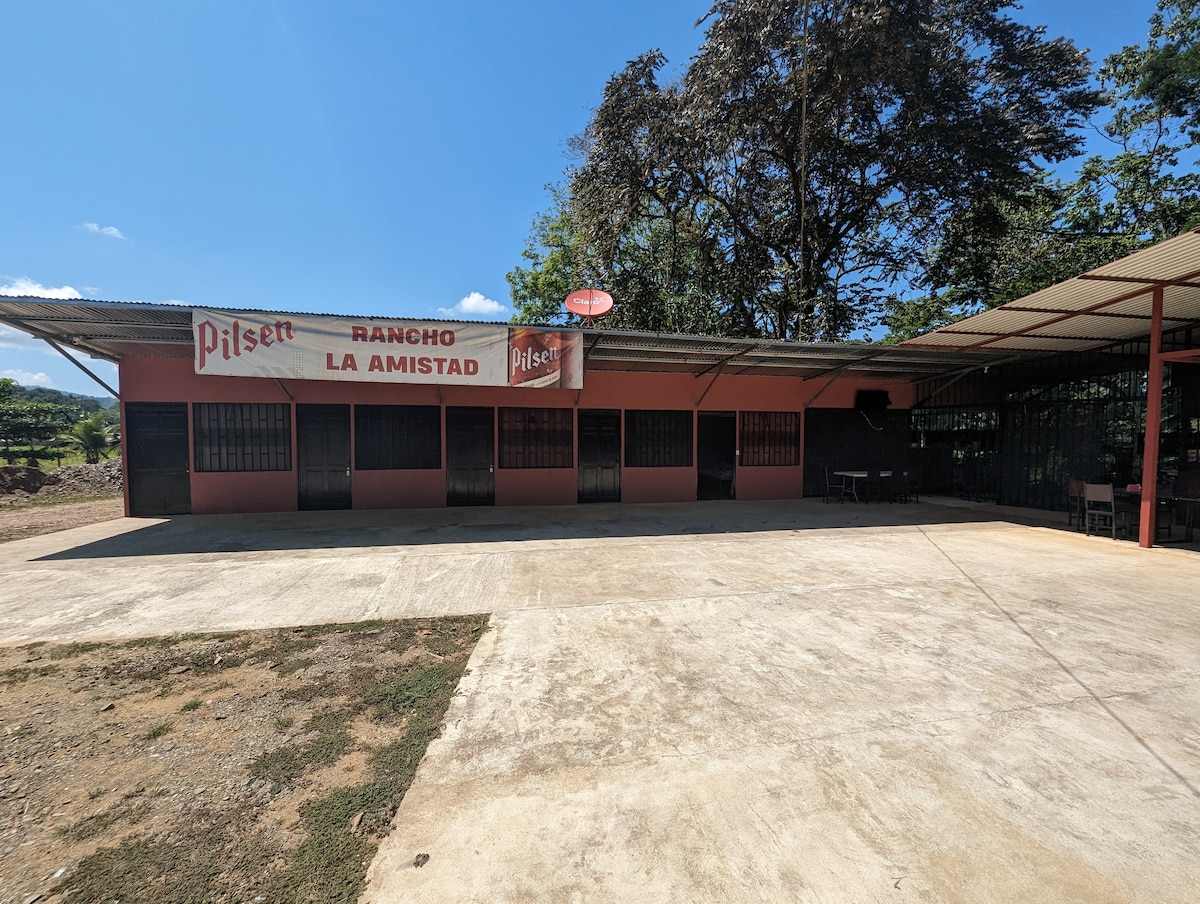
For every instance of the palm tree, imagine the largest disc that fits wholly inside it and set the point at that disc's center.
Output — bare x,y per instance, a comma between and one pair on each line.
94,437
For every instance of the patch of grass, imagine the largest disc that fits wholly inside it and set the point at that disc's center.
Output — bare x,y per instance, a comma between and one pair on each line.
285,764
70,650
395,693
39,500
158,731
327,865
210,856
371,624
19,674
128,810
451,634
285,646
166,641
159,869
405,634
294,665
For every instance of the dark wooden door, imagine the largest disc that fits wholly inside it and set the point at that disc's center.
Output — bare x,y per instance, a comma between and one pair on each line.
599,456
716,454
470,456
323,456
156,445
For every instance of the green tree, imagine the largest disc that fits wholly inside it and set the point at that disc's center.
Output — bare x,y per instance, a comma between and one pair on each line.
1003,247
93,437
1165,72
29,429
809,149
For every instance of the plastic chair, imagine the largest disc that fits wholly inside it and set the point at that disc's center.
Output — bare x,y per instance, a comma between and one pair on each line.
1075,502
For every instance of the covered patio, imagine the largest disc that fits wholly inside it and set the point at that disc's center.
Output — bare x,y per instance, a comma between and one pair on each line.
1117,335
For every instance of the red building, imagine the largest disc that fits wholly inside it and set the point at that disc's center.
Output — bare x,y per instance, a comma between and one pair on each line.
245,411
252,411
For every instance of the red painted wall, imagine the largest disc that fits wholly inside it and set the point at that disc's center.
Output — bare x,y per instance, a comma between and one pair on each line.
398,489
173,380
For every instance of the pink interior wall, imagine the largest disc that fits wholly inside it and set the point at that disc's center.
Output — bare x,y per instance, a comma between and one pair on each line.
173,380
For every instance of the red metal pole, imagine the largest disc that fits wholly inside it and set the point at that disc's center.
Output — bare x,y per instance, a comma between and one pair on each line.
1154,390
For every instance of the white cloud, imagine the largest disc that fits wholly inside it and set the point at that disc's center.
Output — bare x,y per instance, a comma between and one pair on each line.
97,229
475,305
10,338
25,378
25,286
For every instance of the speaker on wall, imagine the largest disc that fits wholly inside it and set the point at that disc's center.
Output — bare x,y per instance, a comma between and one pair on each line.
872,400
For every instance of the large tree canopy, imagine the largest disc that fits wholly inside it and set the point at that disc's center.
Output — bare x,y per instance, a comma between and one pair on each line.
1008,245
808,157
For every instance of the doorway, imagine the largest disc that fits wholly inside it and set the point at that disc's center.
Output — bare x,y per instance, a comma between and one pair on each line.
156,444
716,454
470,456
323,457
599,456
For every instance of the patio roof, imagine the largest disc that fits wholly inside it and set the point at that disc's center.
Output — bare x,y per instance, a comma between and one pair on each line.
1110,304
114,330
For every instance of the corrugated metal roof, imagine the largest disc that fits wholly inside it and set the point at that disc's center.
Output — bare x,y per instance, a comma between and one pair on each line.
114,330
1110,304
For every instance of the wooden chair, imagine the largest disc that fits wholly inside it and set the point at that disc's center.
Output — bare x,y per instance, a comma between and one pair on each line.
1075,502
1100,511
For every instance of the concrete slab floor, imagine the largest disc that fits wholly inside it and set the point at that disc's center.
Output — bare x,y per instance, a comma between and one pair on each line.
727,701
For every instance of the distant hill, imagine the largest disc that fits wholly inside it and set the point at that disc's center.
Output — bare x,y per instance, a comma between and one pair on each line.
89,404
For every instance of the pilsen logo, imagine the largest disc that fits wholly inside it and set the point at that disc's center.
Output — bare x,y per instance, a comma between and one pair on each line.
533,357
239,339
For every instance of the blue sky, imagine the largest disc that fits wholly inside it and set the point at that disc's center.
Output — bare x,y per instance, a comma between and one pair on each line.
382,158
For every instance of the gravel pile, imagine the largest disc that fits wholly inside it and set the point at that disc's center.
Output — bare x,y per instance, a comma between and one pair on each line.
19,482
103,479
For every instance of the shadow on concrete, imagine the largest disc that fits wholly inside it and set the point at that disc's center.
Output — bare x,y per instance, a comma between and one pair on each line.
197,534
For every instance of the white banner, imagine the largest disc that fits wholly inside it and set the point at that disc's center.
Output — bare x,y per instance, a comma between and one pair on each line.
319,347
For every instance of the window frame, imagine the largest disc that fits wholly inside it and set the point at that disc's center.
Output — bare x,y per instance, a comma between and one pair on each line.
645,432
228,437
536,438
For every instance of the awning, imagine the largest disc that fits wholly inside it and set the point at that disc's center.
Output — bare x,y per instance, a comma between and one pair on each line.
115,330
1102,307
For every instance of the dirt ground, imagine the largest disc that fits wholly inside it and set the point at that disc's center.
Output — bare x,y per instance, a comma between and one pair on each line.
31,517
252,766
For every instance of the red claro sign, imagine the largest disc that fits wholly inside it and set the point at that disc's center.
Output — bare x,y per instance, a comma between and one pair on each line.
589,303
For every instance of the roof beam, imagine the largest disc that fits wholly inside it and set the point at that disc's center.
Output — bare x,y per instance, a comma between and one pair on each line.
1145,281
1088,310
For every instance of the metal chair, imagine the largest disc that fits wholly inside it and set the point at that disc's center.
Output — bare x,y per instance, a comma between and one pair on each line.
832,487
908,483
1075,502
1100,511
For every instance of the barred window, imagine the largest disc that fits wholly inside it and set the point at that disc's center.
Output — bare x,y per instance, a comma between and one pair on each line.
537,437
401,437
658,439
242,436
770,438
